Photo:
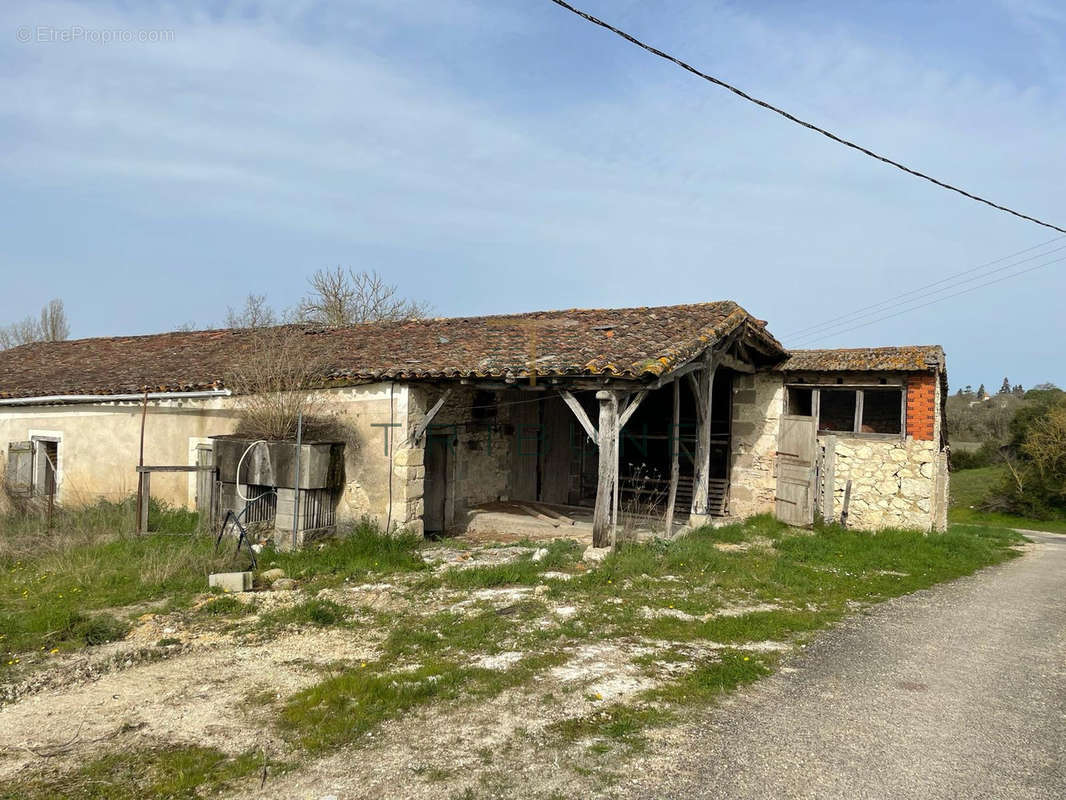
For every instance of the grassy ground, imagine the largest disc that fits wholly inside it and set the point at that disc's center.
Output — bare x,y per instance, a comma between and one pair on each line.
78,584
688,620
674,595
970,486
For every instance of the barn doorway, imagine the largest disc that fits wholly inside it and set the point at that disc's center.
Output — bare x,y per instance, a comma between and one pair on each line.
435,492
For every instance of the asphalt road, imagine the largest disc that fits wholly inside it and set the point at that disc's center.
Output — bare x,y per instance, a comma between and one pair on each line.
954,692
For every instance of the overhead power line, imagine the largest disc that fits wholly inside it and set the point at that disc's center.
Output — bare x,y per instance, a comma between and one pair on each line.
922,292
792,118
948,297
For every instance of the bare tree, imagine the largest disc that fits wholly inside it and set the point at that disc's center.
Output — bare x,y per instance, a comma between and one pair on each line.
52,326
346,297
256,313
275,379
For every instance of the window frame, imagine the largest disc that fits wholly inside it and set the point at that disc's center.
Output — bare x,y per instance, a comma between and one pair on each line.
859,388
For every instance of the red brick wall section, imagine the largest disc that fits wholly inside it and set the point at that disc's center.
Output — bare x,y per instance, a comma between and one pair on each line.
921,406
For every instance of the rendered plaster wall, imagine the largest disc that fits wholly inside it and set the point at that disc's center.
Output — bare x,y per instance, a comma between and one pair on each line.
98,447
99,444
758,401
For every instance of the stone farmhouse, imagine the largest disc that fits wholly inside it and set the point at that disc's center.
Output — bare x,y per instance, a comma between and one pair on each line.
674,415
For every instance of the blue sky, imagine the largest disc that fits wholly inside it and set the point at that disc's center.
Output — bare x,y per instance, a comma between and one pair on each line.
502,155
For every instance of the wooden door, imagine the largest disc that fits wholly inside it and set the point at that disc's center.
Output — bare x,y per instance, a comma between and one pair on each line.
525,449
435,495
796,449
20,468
205,486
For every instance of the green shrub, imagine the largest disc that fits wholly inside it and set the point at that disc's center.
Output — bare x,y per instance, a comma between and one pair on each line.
986,455
93,630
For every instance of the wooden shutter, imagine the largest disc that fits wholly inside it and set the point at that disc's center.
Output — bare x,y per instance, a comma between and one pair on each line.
20,468
796,449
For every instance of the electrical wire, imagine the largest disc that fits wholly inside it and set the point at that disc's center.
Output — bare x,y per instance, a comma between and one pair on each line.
839,327
948,297
240,461
859,312
792,118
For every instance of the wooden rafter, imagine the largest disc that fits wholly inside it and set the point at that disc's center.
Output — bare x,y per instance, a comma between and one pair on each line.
582,417
421,427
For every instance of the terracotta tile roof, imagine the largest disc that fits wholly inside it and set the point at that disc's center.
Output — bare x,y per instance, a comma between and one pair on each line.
915,358
635,343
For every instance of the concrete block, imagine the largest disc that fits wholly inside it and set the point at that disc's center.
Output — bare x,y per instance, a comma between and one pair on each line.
230,581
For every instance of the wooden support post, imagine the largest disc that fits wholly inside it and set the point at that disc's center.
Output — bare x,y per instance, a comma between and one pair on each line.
847,502
675,464
701,478
144,494
606,484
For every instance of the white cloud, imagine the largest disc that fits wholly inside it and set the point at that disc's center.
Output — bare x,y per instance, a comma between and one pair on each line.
334,125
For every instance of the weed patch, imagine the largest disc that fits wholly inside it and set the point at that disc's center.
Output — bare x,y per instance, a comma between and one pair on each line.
355,553
316,611
145,774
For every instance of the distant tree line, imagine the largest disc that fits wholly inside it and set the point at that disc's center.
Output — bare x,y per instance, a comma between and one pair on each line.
49,326
1025,431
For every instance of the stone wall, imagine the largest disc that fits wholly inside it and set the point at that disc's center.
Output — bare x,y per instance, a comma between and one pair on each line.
479,450
757,406
893,482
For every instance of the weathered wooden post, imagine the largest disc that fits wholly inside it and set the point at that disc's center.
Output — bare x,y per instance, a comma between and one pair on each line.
607,435
675,463
703,388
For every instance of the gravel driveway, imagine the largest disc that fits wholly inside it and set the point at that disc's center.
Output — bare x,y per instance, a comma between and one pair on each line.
954,692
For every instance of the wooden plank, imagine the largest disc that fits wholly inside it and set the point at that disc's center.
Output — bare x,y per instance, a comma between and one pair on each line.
733,363
579,412
555,523
19,475
702,463
551,512
792,502
421,427
555,450
606,482
631,409
795,498
195,468
525,451
828,478
847,502
697,393
675,462
679,372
